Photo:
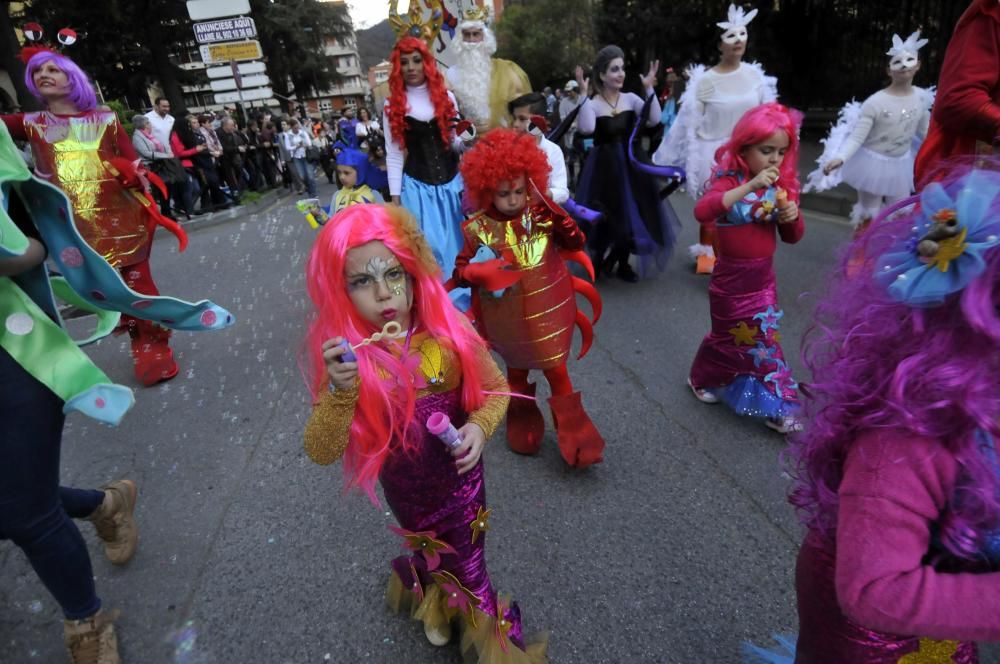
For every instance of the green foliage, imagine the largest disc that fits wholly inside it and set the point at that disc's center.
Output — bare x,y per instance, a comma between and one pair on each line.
124,43
250,197
127,45
548,39
291,35
123,112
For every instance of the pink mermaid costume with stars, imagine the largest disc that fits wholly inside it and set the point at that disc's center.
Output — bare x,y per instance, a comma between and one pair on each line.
443,517
740,360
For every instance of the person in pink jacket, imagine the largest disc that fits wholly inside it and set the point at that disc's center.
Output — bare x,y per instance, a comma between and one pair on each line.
896,474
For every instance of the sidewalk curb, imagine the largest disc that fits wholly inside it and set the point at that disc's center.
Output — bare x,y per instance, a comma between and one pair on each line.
267,200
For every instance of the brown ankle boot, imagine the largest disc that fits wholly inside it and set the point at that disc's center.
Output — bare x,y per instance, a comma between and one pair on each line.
525,425
580,443
92,640
114,521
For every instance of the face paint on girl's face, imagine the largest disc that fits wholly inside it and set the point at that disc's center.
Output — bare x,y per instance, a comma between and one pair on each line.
379,287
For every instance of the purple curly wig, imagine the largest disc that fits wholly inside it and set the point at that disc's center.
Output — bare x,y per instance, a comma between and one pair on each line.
81,89
880,364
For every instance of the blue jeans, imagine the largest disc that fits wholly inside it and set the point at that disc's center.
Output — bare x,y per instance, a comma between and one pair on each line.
35,512
306,171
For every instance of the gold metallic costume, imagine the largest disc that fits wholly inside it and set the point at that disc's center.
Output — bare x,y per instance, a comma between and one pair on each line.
70,151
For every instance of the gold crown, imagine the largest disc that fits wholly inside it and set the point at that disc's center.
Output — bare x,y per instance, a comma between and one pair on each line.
476,14
413,23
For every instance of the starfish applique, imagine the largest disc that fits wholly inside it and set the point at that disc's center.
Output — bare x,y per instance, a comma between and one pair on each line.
480,524
782,380
932,652
948,250
503,624
769,318
457,596
762,354
743,334
426,543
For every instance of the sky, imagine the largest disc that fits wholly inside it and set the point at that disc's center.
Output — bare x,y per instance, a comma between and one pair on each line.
366,13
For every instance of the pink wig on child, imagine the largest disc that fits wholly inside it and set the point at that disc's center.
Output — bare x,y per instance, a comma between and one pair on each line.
756,126
386,391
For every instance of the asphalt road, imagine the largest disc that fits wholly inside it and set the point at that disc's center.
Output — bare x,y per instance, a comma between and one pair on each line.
676,549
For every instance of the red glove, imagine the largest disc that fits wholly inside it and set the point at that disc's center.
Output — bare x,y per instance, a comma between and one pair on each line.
492,275
538,126
465,130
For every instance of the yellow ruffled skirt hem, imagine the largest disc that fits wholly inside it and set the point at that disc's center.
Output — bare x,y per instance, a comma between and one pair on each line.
481,641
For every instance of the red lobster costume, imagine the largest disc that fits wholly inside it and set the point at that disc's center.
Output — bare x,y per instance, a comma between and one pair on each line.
524,297
966,118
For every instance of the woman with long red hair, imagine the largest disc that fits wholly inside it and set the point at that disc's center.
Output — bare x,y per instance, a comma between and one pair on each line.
422,149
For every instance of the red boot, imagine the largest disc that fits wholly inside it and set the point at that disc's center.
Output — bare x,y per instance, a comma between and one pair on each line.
580,443
154,361
525,425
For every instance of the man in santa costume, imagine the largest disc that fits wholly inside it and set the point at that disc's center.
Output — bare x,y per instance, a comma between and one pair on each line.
483,84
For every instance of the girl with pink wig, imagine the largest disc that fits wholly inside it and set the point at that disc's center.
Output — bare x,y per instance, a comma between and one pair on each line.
896,477
371,266
752,197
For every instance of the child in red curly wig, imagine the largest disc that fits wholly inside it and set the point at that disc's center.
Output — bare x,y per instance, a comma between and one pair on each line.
524,299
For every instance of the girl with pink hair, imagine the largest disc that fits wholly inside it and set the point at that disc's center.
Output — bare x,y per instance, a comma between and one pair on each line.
371,266
752,197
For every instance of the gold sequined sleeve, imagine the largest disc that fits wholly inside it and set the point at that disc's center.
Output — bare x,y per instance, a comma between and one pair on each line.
329,426
494,407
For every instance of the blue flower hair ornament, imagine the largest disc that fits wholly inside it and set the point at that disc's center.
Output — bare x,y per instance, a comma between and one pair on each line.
946,248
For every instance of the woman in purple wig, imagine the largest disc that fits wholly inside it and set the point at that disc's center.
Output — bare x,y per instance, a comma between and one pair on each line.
896,477
75,145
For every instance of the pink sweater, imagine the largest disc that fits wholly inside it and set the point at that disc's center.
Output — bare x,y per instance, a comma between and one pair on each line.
895,485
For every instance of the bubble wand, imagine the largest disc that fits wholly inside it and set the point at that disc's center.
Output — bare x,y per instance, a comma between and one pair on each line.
391,330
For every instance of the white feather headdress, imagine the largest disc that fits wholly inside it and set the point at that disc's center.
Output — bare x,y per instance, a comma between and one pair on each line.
737,18
912,44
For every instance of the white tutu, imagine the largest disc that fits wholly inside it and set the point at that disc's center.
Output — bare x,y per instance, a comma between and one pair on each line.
878,174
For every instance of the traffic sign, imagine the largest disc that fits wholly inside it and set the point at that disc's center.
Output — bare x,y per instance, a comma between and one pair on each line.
248,95
245,69
241,50
225,30
200,10
255,81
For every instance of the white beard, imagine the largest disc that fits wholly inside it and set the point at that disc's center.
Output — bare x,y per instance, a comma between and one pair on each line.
474,68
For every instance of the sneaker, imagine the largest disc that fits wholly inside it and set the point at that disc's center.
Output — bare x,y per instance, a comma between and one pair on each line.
92,640
703,395
784,424
115,523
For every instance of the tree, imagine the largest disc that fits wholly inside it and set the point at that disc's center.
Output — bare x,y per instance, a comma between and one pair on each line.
125,45
548,38
292,35
9,49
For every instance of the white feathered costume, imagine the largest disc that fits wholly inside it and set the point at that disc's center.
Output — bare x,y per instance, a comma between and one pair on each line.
709,109
877,142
